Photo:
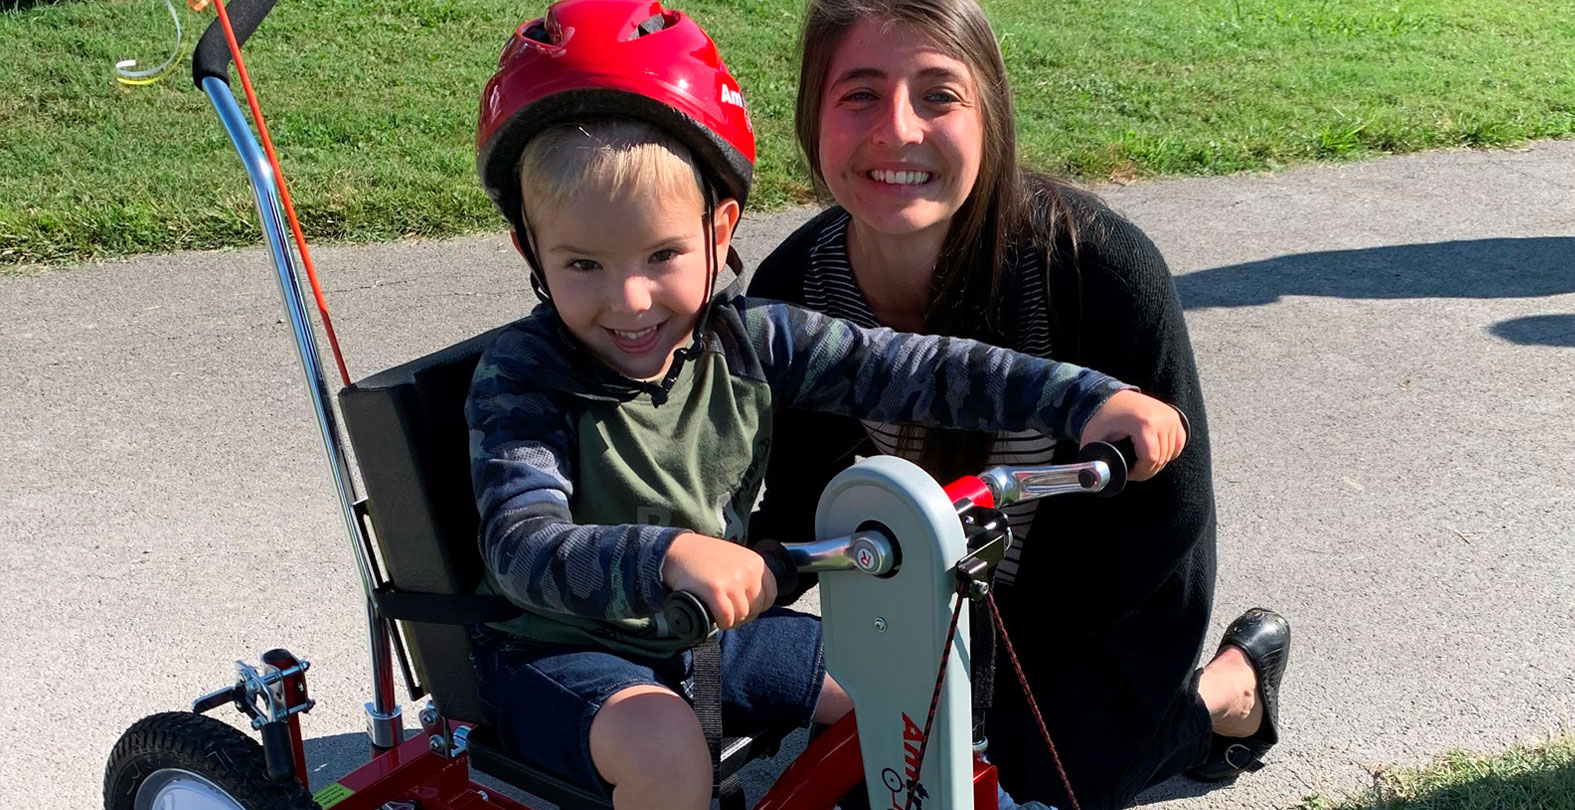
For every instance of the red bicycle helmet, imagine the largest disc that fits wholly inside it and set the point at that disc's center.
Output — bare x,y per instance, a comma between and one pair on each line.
629,58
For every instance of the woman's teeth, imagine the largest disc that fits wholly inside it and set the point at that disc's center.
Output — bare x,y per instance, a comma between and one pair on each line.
896,178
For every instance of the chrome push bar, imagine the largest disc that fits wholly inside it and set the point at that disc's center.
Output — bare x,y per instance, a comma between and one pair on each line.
384,721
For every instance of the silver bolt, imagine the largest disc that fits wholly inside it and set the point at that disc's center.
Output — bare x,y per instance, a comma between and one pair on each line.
880,625
435,742
869,556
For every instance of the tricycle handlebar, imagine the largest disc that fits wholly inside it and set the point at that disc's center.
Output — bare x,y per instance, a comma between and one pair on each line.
685,617
1101,469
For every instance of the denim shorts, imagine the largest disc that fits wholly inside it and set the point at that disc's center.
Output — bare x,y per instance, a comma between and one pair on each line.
541,697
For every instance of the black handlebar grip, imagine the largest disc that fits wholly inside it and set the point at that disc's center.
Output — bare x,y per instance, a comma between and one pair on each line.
212,57
687,618
1118,457
782,570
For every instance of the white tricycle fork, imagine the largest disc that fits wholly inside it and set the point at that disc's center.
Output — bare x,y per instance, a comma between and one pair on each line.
904,557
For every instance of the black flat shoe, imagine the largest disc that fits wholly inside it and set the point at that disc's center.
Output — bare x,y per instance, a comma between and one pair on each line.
1265,638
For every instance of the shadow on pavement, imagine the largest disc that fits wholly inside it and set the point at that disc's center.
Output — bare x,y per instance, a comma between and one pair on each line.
1537,330
1481,268
1180,787
329,758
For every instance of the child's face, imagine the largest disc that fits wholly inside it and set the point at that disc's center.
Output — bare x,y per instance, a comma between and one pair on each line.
628,273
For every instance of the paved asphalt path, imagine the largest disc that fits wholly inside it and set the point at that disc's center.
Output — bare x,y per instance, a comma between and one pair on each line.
1388,351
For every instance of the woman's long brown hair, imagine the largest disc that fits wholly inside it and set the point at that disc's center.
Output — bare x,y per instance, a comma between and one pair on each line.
1007,210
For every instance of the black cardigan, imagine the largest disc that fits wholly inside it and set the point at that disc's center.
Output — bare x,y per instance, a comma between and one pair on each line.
1112,599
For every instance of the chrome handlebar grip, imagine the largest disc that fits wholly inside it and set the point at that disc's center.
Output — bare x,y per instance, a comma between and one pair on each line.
870,552
1011,484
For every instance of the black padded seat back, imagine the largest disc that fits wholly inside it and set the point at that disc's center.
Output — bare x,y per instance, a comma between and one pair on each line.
407,425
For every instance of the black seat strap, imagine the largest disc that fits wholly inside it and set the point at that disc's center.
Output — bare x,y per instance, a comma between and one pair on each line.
443,608
730,793
708,707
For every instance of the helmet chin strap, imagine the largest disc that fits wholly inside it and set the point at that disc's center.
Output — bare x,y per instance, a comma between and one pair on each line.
523,241
683,354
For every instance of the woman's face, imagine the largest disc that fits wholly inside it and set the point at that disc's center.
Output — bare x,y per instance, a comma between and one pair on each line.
901,133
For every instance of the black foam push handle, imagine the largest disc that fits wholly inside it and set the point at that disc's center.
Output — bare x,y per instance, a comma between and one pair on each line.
212,57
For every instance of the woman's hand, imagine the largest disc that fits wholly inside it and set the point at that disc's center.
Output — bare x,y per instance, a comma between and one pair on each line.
731,580
1154,427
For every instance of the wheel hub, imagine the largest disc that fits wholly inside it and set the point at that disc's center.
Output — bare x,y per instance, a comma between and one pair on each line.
178,789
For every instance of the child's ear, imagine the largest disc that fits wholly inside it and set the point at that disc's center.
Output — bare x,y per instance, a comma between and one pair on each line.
515,236
723,221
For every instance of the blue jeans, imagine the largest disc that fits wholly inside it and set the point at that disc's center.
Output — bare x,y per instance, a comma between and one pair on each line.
541,697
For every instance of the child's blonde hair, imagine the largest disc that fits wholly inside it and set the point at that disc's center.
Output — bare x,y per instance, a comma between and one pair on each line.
626,157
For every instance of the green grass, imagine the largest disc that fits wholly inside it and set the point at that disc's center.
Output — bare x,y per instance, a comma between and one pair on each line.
1540,777
372,103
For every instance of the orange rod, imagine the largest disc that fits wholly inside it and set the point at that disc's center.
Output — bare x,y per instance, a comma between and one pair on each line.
284,191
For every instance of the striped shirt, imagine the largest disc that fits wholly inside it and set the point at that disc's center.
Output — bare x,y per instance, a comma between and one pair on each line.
829,287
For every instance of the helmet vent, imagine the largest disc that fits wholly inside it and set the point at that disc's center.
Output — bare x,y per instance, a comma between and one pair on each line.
652,24
538,33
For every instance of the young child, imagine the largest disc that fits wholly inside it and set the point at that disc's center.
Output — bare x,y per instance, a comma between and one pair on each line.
619,433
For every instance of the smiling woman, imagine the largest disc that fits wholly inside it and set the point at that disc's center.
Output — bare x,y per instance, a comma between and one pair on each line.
900,133
906,117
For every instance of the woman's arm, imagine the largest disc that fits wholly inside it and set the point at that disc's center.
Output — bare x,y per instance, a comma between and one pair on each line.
1104,558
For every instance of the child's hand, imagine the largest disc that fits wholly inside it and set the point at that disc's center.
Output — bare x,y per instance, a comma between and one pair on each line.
1155,430
731,580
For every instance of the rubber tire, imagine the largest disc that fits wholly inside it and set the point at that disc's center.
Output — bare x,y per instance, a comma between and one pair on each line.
201,745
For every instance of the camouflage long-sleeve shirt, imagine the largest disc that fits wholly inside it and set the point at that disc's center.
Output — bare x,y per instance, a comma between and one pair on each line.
583,481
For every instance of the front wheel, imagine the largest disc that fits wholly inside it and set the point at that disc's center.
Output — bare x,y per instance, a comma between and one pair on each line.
185,761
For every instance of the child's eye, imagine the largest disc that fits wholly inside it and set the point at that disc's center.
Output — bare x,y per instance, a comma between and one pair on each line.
584,264
859,96
664,255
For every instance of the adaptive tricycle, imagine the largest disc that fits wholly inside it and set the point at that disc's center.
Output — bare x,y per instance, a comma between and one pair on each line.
899,558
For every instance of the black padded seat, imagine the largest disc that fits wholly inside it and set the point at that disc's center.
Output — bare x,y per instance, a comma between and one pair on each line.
407,425
412,445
